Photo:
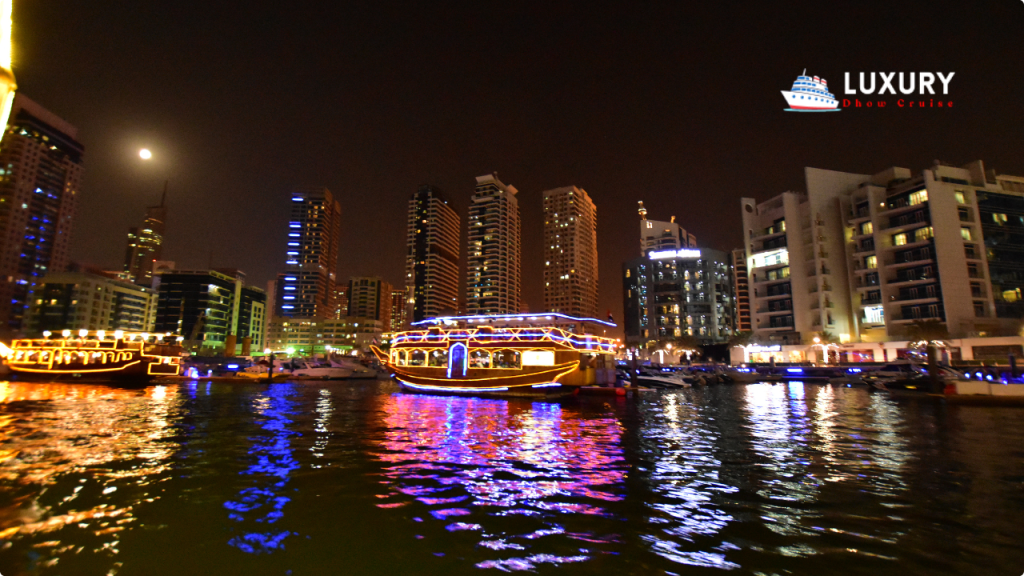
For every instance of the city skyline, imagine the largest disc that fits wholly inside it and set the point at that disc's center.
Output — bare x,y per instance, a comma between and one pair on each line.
677,125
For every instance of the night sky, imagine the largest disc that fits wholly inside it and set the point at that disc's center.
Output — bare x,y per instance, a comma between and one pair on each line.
675,104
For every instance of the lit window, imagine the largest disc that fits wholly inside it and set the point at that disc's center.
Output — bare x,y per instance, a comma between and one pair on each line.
918,197
867,228
899,239
960,197
871,262
922,234
965,233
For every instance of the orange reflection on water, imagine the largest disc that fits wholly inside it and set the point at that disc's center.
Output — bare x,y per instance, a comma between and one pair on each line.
80,443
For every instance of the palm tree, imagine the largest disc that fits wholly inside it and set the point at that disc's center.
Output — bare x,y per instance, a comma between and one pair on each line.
928,331
741,339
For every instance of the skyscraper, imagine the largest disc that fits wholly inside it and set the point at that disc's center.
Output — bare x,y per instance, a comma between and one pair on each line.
492,282
432,257
40,172
657,235
145,244
370,297
306,288
399,311
570,252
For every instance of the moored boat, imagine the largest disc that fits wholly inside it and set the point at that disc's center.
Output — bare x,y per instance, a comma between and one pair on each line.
508,355
94,356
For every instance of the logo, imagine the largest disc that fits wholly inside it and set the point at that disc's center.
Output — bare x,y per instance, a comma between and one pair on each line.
810,94
867,90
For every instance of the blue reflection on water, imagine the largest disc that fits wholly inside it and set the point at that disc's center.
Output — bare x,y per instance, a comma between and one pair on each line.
264,502
495,468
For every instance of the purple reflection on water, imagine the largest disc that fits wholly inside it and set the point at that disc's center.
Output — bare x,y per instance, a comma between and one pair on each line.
501,460
273,464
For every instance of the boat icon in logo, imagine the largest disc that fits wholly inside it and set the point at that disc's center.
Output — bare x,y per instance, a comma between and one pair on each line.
810,94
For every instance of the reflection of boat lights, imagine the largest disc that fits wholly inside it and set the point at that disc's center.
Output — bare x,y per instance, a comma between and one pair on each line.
452,388
548,385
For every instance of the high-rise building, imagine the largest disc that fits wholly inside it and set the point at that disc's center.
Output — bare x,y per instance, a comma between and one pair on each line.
570,252
370,297
399,311
659,236
40,173
145,245
493,281
88,301
207,306
741,290
341,300
866,257
307,286
678,293
432,256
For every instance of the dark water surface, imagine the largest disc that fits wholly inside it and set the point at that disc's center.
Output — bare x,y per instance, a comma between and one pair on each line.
343,478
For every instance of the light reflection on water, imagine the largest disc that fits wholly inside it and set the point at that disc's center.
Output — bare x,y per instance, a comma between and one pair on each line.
465,462
767,478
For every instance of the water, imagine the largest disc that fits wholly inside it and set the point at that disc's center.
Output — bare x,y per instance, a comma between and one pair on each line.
361,479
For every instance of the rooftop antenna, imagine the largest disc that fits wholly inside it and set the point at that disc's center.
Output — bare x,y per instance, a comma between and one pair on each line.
642,210
804,72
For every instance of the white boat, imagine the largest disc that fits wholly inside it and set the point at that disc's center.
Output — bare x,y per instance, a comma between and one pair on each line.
317,370
810,94
358,370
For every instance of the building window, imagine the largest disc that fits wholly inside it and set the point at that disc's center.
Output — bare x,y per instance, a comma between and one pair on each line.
975,289
918,197
867,228
965,233
979,309
999,219
871,262
960,197
922,234
899,239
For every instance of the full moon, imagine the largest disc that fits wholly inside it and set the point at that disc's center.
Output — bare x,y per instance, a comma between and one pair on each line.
145,154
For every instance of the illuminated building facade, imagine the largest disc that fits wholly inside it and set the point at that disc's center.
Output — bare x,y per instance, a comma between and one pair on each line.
674,293
741,290
40,174
307,286
341,300
145,245
80,300
493,282
866,257
399,311
308,336
432,256
206,306
570,252
370,297
656,235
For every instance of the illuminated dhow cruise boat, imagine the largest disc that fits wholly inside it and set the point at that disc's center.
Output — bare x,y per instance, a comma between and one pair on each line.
546,354
810,94
94,356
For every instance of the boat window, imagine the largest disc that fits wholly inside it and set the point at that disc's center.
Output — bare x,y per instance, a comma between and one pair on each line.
438,358
539,358
507,359
398,357
479,359
417,358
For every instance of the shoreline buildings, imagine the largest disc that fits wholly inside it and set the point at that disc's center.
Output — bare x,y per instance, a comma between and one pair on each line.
212,310
307,287
493,249
675,290
570,252
868,258
40,175
432,256
81,300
